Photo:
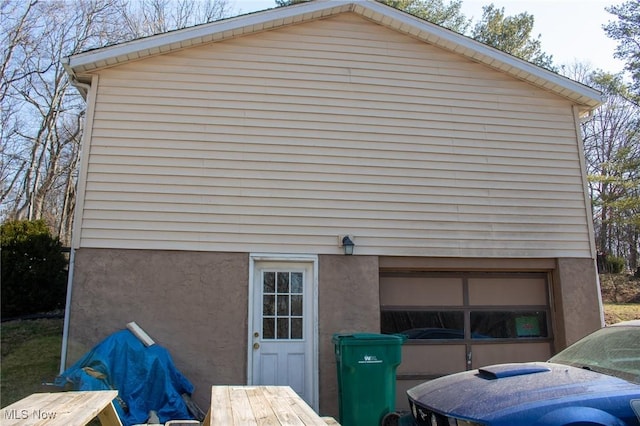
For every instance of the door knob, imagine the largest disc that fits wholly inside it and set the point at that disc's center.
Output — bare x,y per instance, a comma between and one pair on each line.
256,345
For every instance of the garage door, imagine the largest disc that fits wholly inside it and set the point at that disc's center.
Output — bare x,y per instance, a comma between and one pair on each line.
461,321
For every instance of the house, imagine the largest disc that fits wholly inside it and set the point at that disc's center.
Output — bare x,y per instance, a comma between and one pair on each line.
224,164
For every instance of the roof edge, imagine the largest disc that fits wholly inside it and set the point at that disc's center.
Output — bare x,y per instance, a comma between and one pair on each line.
464,45
584,96
176,39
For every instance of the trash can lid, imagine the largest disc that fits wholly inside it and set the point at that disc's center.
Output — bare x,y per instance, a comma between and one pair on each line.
359,338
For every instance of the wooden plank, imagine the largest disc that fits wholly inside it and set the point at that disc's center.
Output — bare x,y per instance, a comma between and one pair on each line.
109,416
84,407
220,412
282,405
261,406
301,409
62,409
306,415
76,409
240,406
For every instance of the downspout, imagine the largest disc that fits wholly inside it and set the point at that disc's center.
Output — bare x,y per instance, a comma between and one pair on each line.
83,88
67,312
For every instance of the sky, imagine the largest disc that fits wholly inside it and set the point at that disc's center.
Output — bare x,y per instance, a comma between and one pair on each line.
570,30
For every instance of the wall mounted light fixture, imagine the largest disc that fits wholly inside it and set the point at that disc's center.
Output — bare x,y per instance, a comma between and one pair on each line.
347,245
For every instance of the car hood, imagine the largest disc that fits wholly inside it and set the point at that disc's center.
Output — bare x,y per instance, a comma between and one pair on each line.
487,392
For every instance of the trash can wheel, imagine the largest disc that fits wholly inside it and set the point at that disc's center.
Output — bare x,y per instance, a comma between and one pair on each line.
390,419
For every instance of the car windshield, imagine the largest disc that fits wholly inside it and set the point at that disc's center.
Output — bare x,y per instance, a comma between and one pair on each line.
612,350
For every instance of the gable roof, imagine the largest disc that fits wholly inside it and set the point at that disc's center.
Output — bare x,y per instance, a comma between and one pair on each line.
77,65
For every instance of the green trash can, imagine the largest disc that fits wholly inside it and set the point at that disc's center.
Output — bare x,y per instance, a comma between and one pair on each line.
366,364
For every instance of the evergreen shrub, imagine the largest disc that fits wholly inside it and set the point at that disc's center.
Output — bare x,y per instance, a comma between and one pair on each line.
34,269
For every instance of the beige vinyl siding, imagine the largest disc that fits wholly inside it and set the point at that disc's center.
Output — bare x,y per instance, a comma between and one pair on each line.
283,140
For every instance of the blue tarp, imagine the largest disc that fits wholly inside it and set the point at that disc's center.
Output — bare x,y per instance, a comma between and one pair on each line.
145,378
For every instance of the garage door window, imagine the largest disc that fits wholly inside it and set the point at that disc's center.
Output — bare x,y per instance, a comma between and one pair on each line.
470,306
423,325
418,324
508,324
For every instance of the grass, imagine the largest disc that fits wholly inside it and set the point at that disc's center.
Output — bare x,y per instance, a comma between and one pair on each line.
30,356
621,312
621,297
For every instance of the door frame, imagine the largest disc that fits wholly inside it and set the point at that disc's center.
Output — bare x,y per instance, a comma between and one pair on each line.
308,259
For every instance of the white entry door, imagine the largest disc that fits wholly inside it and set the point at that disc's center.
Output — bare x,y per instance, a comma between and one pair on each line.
282,327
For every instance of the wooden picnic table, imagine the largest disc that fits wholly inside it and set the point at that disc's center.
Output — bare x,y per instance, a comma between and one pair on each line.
62,409
261,405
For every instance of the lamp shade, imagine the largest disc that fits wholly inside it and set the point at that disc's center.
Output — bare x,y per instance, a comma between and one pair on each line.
348,245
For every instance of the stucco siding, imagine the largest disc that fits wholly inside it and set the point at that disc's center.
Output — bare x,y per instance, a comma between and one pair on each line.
349,302
195,305
283,140
192,303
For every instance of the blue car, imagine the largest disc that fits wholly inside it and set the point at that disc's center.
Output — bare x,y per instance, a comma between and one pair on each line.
595,381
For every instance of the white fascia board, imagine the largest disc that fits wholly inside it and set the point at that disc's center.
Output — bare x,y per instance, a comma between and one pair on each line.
369,9
144,46
479,52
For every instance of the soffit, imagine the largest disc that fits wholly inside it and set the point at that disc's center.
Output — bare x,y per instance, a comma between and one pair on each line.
78,65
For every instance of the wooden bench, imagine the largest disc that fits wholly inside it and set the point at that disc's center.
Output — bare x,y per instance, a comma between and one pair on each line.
62,409
261,405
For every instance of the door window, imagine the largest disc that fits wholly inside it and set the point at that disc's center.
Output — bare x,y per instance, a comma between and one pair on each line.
282,305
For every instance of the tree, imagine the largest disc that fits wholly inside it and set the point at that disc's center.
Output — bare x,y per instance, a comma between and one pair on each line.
41,114
627,32
612,148
436,11
511,34
283,3
147,17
